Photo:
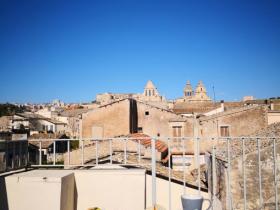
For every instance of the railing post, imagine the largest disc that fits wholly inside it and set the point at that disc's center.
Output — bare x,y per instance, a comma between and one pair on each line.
96,153
198,164
83,147
169,173
13,158
19,154
214,176
26,156
111,151
260,173
54,152
68,151
139,152
154,173
275,174
229,175
244,174
125,148
184,166
40,153
6,159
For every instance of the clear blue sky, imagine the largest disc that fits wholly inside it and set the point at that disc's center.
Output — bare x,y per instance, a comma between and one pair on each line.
73,50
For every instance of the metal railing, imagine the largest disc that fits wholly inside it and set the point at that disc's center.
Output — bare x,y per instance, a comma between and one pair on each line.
238,169
13,155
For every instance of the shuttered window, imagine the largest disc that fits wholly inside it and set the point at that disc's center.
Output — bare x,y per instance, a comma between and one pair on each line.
224,131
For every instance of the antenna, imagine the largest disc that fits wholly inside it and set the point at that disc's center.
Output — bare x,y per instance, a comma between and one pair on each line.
216,110
213,87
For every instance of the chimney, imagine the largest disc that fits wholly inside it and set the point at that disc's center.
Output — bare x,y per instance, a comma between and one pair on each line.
271,105
222,105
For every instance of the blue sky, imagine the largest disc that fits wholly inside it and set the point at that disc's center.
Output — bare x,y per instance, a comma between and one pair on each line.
73,50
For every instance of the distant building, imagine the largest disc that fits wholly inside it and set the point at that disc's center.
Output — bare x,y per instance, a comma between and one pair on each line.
58,103
5,123
248,98
150,94
35,122
199,95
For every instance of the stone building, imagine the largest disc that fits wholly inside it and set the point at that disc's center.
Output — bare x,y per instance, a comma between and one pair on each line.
128,116
236,122
72,118
5,123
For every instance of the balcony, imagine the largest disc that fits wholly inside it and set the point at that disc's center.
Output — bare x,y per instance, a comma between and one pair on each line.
139,172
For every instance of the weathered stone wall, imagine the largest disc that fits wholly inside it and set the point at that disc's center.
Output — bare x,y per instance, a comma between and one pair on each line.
241,122
113,118
157,121
236,185
5,123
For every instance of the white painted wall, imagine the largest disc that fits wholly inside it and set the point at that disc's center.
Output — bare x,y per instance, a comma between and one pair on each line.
273,117
41,189
110,189
45,112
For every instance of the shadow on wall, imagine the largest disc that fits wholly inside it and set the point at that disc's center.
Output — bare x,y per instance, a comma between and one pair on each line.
75,195
3,194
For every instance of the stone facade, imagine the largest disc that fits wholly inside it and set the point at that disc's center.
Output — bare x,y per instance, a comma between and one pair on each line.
5,123
107,121
155,121
239,122
131,116
252,165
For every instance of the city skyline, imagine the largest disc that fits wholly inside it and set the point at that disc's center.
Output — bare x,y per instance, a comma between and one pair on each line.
75,50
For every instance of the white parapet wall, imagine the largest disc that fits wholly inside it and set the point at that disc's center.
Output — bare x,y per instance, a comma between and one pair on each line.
107,187
110,189
40,189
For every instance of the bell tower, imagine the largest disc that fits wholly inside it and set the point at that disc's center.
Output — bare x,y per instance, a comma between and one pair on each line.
150,89
188,92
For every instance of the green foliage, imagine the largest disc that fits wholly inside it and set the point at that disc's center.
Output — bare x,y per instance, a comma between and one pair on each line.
74,144
10,109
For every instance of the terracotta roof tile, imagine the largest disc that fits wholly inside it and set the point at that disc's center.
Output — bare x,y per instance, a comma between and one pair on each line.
146,141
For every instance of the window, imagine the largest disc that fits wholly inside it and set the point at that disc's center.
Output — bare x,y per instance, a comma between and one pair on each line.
147,113
224,131
177,131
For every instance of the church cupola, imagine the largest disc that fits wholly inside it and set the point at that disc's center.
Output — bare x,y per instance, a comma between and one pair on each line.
188,92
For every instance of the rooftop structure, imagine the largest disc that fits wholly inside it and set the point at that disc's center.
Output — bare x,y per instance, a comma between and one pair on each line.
125,171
